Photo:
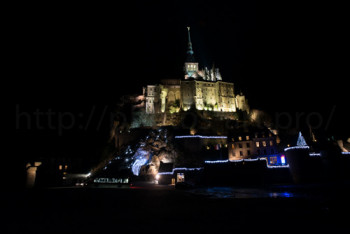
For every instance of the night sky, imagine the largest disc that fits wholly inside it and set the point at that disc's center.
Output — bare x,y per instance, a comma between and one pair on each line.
284,56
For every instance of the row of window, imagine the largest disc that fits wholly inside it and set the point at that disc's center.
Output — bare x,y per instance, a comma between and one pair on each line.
240,138
217,147
264,144
60,167
206,84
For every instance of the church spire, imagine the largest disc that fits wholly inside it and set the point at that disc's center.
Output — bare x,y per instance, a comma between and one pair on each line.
191,66
190,57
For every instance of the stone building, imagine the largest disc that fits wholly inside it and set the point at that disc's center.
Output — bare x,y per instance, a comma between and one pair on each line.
163,96
254,143
201,89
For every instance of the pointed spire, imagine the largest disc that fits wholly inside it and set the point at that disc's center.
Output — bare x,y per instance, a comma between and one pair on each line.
190,57
189,49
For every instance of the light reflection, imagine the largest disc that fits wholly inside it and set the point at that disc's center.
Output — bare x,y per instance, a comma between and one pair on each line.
240,193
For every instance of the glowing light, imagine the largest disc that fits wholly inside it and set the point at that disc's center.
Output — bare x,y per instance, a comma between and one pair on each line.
141,158
157,177
247,160
319,154
128,150
165,173
296,147
193,131
180,169
217,161
111,180
250,159
136,166
277,166
283,159
202,137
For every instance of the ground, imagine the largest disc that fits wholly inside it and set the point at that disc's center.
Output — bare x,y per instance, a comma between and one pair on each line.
162,209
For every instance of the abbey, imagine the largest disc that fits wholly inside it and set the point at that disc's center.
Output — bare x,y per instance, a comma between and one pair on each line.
201,89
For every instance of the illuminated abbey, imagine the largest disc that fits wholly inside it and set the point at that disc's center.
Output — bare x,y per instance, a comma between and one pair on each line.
202,89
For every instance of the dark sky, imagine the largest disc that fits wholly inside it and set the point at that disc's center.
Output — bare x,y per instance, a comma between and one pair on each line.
284,55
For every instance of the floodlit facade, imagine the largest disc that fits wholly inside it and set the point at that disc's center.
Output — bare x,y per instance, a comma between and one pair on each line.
200,89
254,144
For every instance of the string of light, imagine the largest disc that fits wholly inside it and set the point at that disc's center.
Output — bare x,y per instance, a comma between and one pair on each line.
179,169
247,160
199,136
297,147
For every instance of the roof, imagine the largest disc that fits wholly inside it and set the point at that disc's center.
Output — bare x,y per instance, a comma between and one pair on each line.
166,167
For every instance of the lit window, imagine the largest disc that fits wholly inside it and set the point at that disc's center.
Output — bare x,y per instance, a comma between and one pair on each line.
257,144
66,167
180,177
232,146
247,138
208,147
240,138
271,143
264,143
60,167
273,160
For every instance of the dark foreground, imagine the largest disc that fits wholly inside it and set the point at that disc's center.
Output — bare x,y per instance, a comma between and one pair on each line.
165,210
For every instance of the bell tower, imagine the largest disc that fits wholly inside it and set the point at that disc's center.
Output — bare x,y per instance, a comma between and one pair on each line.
191,66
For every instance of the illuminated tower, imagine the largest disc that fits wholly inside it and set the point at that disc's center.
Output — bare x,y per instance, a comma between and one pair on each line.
191,66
